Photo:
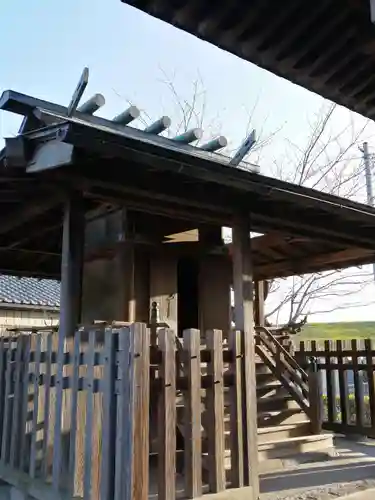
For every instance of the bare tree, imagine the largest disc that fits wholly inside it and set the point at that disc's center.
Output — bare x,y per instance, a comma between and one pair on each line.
190,110
328,161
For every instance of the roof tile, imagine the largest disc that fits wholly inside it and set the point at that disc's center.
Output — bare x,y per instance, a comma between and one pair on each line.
29,291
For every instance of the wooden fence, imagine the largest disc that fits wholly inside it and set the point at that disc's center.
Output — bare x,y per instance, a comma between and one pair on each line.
88,419
347,383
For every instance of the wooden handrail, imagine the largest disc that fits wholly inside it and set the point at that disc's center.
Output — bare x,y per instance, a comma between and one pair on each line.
292,362
286,369
301,398
298,378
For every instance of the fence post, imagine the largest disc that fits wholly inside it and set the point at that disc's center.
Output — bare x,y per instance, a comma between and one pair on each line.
215,409
193,415
315,396
235,408
371,382
141,408
109,414
167,417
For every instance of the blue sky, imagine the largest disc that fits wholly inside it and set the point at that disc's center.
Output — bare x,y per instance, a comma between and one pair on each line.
45,45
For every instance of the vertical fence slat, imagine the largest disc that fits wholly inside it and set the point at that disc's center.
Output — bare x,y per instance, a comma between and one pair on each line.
236,437
7,425
2,384
358,387
73,411
57,437
25,403
16,434
192,420
315,397
141,416
215,403
371,382
124,441
330,384
34,425
167,417
343,386
46,417
89,388
109,416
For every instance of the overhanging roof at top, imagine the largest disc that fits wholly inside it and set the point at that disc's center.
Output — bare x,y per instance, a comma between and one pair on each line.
116,165
326,46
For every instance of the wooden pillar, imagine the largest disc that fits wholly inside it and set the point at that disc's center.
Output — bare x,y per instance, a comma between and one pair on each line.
163,288
244,318
70,312
259,303
71,266
214,293
139,307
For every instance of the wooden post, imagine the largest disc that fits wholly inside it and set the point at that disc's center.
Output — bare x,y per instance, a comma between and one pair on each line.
330,384
343,385
70,309
259,303
244,318
18,428
167,418
215,276
109,416
141,408
193,415
315,397
124,449
215,408
371,382
7,422
358,387
235,408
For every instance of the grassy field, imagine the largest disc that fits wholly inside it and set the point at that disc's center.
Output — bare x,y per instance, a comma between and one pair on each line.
350,330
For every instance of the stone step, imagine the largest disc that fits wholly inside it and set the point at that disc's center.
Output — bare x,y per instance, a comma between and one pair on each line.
279,402
285,417
269,434
294,446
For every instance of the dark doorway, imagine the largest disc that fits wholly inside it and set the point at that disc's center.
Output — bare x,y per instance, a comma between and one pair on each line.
187,287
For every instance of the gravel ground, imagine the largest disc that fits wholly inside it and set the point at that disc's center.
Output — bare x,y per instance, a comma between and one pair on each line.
330,492
350,470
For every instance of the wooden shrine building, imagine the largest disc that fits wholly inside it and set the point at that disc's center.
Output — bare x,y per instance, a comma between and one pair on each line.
131,222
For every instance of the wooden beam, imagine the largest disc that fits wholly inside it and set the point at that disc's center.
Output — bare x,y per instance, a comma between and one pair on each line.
339,258
244,319
29,210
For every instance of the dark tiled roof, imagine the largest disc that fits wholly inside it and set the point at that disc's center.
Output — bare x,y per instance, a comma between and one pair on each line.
29,291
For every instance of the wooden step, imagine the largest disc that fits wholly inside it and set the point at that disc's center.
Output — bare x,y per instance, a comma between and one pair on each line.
261,369
269,434
270,389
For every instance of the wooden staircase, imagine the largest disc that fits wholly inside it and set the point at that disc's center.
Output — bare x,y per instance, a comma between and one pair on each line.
285,428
